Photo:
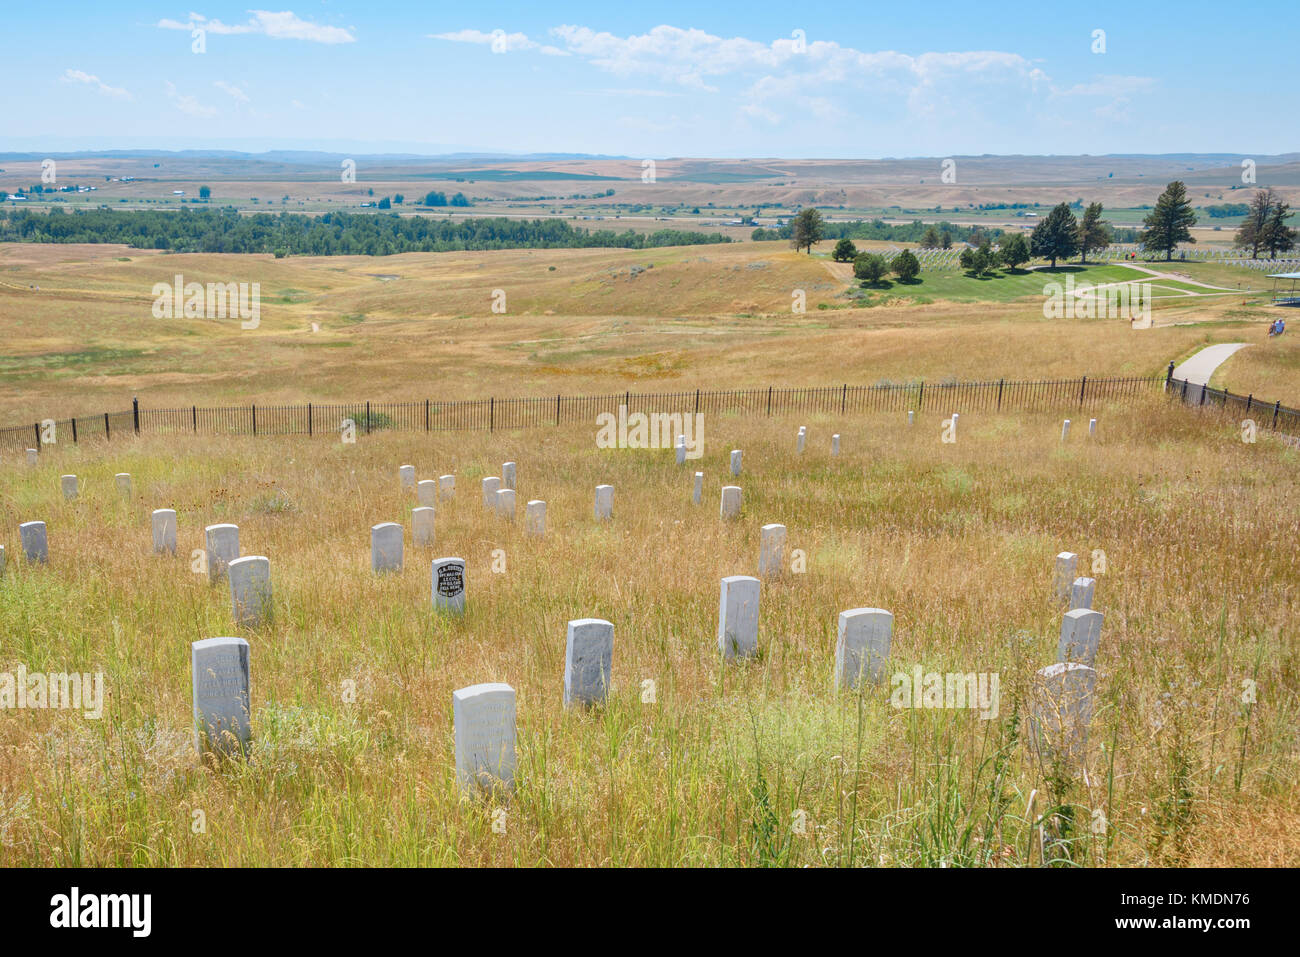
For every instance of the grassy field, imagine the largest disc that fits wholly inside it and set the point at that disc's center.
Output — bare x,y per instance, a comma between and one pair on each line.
80,337
1199,593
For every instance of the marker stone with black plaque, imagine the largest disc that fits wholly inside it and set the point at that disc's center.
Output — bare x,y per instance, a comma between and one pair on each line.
448,585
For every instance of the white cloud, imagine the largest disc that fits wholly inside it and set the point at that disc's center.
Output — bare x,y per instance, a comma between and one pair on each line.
238,95
284,25
89,79
188,104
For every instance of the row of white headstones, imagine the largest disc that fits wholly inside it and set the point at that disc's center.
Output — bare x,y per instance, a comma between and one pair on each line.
484,714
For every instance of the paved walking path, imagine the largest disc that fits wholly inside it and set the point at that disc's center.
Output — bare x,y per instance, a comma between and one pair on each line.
1198,369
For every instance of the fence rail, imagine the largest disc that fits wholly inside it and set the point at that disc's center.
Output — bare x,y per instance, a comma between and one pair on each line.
431,415
1273,416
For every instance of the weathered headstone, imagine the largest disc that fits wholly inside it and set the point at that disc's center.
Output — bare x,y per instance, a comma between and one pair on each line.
406,474
604,502
448,585
697,496
738,617
447,486
680,449
491,485
222,543
535,517
32,456
736,456
862,646
835,444
1092,426
1065,564
386,547
1080,636
426,492
507,475
771,550
730,506
35,544
1081,593
123,482
164,530
219,672
1061,711
69,483
484,720
422,526
911,417
588,657
1065,430
802,438
506,503
250,590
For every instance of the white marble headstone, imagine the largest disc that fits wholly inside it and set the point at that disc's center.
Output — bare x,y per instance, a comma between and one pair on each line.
588,658
771,550
35,543
737,455
219,673
535,517
1065,565
738,617
507,475
911,417
386,547
69,483
604,502
679,448
484,720
447,486
506,503
222,543
835,444
1092,426
406,475
862,646
250,590
491,485
802,438
1062,709
448,585
730,505
422,525
426,492
1080,636
1081,593
697,496
123,482
1065,430
32,456
164,530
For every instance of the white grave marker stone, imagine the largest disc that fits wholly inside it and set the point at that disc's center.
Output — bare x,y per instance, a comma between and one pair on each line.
862,646
219,672
697,496
32,456
736,456
406,474
738,617
426,492
730,507
250,590
386,547
35,543
1062,710
1081,593
588,657
1080,636
422,525
69,483
447,486
535,517
491,485
835,444
164,530
604,502
771,550
123,482
222,542
508,475
506,503
1065,565
484,720
448,585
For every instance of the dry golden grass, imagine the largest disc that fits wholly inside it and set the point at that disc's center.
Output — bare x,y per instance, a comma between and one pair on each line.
1199,593
577,321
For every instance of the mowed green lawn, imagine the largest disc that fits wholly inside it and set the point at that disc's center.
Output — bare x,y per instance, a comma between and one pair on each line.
1000,286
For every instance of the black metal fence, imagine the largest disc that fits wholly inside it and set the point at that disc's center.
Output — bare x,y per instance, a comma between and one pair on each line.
1273,416
494,413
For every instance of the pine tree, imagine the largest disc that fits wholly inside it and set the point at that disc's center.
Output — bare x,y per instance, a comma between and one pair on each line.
1093,233
1170,222
1254,228
1278,236
1056,236
806,229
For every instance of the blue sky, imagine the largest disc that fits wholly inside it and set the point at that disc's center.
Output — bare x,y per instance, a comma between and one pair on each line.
654,79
